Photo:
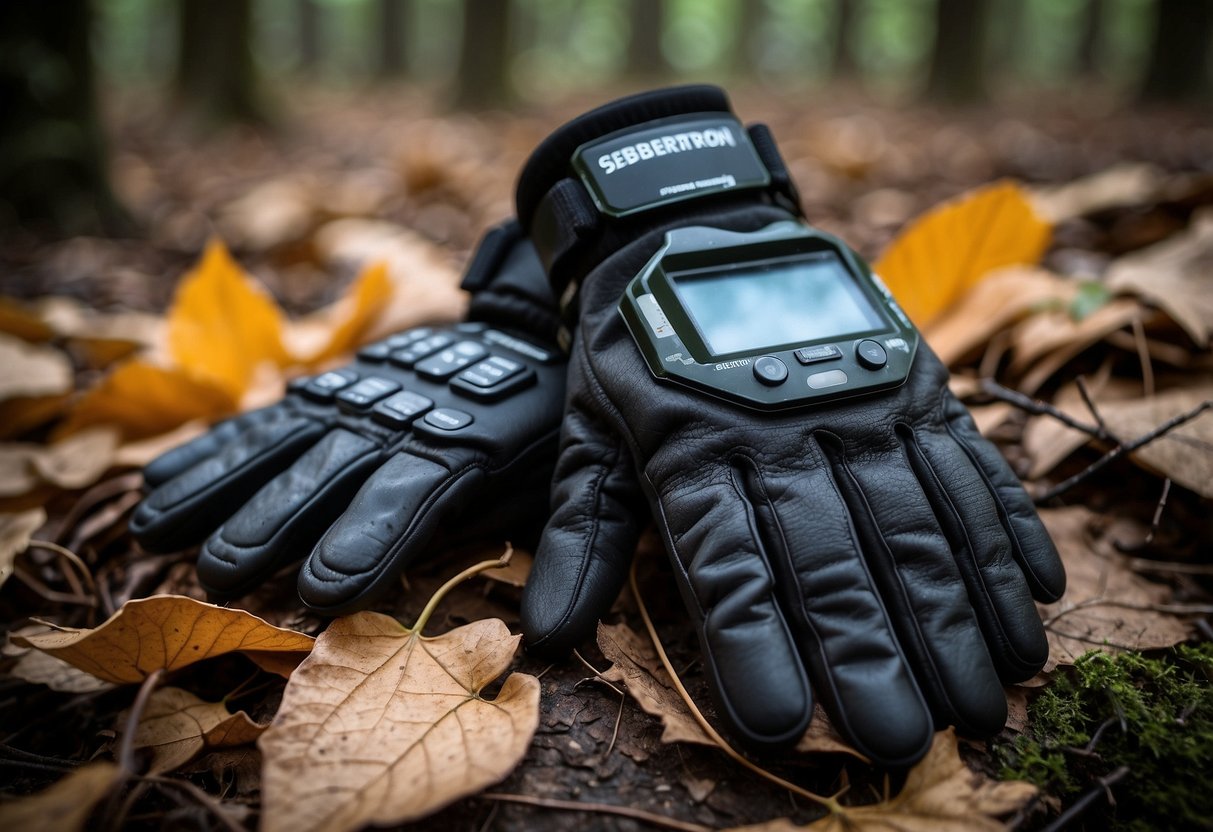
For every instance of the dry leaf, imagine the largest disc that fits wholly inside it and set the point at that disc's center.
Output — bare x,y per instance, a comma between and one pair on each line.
169,632
1176,275
223,323
65,806
1048,441
273,213
143,399
381,725
178,726
28,371
1129,183
16,530
517,572
941,794
38,668
139,453
1045,342
75,462
21,321
635,663
1107,606
340,328
946,251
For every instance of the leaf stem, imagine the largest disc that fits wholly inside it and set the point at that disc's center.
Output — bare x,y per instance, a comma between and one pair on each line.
829,803
471,571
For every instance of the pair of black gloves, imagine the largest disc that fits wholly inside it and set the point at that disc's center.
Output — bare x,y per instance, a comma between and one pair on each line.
875,550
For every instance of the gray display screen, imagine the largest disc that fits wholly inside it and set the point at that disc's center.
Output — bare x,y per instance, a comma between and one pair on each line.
783,302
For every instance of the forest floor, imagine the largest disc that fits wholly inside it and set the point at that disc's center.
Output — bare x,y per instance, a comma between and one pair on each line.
1107,338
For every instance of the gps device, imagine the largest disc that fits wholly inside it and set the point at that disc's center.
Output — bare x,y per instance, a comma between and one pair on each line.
772,319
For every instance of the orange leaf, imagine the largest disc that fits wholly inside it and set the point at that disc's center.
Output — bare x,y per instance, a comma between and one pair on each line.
952,247
341,327
143,399
222,324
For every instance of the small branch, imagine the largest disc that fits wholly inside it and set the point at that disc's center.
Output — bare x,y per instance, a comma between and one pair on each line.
1154,524
1169,609
1143,355
1039,408
72,558
52,595
1080,806
126,749
214,806
598,808
1147,565
1121,450
1085,392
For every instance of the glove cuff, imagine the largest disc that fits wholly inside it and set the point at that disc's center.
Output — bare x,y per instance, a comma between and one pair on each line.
508,285
639,164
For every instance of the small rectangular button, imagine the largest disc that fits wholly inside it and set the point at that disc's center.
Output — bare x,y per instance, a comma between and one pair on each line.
401,409
446,363
410,355
519,346
447,418
823,352
403,339
375,352
491,371
830,378
366,392
323,386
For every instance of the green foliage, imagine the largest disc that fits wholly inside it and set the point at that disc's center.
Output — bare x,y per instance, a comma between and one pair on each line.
1154,716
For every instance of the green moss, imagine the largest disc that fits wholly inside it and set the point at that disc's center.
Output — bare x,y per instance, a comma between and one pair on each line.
1153,715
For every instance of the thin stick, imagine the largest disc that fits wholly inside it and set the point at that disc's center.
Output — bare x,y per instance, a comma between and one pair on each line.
1143,355
1154,525
829,803
1038,407
598,677
1120,450
598,808
52,595
1080,806
126,749
1085,392
215,807
71,557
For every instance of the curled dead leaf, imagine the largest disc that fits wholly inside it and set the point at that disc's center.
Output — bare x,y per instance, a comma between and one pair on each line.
75,462
381,725
65,806
949,249
16,530
169,632
177,726
941,794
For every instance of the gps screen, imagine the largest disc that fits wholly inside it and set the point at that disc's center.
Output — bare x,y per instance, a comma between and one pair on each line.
769,304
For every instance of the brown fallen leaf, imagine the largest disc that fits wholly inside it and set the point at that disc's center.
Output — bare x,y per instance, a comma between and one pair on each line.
22,321
634,662
271,214
140,452
65,806
222,324
1175,275
1129,183
144,399
1107,606
39,668
169,632
177,726
941,794
16,531
1044,343
948,250
28,371
382,725
75,462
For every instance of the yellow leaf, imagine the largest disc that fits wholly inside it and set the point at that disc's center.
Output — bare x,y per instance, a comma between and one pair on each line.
16,530
169,632
941,794
222,323
65,806
18,319
381,725
949,249
144,399
177,726
340,328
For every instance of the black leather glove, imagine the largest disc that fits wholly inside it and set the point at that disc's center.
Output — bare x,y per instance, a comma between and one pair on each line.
435,427
876,549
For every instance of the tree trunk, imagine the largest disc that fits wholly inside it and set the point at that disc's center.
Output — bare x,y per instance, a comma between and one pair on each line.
645,56
1179,58
483,81
393,50
52,154
309,17
1088,42
958,61
844,40
216,78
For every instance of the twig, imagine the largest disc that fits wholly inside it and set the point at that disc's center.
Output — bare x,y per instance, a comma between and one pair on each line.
597,673
215,807
52,595
1147,565
1143,355
72,558
1123,449
1080,806
598,677
598,808
830,803
31,757
1154,524
1085,392
126,749
1038,407
1170,609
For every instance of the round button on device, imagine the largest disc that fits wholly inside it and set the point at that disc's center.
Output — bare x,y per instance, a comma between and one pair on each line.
770,370
870,354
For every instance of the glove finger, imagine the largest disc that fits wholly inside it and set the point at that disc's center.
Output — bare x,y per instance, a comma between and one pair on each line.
287,516
998,590
751,659
843,629
187,508
183,457
583,556
388,523
927,593
1030,541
